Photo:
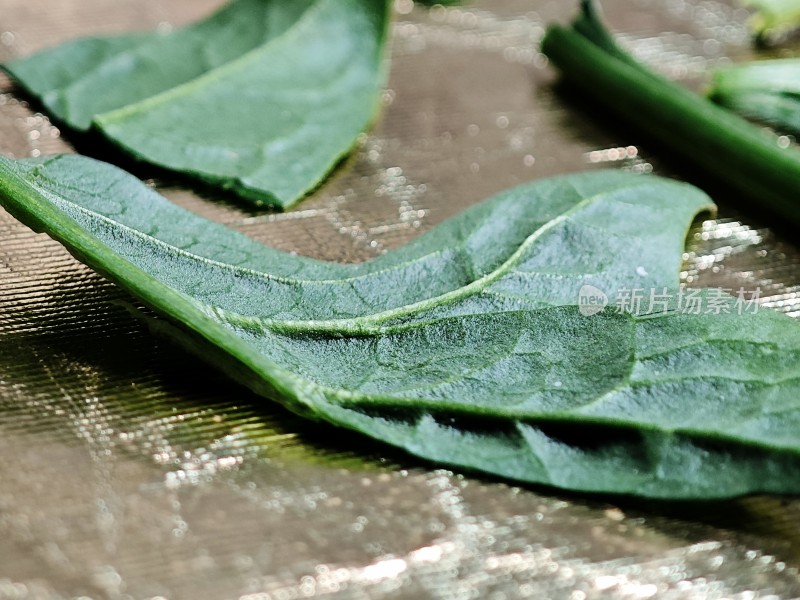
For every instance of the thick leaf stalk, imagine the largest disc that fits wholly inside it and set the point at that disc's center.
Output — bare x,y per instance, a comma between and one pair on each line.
721,144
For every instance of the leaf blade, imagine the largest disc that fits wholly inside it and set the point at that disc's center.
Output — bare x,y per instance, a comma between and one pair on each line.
480,389
130,68
263,98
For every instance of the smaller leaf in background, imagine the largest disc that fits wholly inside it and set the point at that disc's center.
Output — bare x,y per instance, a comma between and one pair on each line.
766,90
89,76
263,97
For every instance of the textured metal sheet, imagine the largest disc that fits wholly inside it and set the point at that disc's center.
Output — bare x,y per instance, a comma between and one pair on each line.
129,470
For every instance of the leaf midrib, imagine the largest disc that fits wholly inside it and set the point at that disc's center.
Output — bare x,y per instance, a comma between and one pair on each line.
363,325
373,324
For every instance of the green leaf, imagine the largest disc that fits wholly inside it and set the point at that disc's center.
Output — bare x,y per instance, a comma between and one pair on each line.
263,98
773,15
724,147
131,68
468,346
767,90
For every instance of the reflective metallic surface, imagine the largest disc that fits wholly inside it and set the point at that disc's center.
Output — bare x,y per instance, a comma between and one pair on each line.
130,470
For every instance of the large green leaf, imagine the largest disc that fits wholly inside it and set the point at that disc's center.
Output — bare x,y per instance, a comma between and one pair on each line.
264,97
467,346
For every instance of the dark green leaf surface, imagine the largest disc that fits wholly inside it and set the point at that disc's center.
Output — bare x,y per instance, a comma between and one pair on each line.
767,90
467,347
263,97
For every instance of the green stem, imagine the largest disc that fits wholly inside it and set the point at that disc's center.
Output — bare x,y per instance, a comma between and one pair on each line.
725,146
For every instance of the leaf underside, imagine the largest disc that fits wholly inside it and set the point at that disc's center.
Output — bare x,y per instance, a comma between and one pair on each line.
466,346
263,97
